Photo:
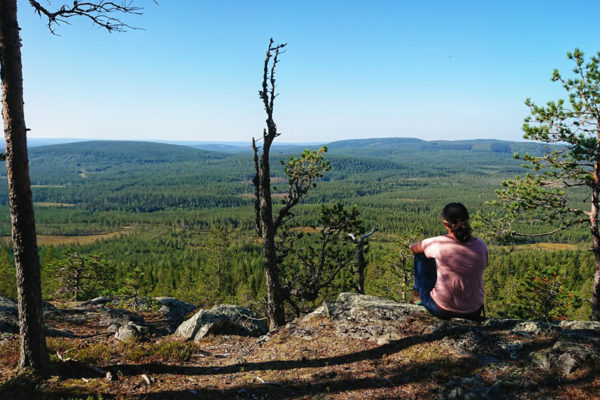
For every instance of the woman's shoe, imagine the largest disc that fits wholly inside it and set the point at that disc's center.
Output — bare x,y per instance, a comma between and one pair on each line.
416,300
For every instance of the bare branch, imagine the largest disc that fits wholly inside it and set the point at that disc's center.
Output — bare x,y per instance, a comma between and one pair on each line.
368,234
267,94
98,12
562,228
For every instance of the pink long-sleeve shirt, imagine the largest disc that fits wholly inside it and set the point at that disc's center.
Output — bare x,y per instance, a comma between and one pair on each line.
459,285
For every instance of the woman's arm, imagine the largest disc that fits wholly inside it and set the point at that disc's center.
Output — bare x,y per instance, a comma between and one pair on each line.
417,248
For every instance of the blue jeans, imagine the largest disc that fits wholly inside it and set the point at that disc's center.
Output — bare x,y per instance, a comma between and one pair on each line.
425,278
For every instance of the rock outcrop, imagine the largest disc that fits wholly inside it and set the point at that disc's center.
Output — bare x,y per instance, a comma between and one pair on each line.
9,319
562,347
222,319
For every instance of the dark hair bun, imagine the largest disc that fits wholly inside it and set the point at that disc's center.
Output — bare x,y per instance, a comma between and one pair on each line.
455,212
457,216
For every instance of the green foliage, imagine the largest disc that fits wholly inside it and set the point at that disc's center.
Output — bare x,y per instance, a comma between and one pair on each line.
395,275
303,171
316,257
519,283
132,284
173,204
564,177
302,174
78,276
8,282
213,283
101,352
541,294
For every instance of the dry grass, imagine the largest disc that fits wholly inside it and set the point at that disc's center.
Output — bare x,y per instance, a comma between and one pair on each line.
273,195
546,246
62,240
47,204
274,180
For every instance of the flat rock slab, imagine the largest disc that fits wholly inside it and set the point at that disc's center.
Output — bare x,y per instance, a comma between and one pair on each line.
374,318
566,346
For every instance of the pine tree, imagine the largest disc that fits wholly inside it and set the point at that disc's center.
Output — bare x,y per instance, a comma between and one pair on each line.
542,198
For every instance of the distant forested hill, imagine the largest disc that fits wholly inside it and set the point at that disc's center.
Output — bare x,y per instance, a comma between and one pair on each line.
141,177
145,176
382,147
117,152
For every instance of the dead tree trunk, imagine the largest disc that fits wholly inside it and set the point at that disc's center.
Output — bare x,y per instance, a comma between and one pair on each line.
33,353
275,310
263,206
361,264
360,268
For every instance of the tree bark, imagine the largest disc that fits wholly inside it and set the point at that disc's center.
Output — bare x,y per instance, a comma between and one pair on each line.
275,310
596,288
594,229
360,268
33,353
263,206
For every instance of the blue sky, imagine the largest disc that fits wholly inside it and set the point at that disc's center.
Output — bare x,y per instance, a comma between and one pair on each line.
353,69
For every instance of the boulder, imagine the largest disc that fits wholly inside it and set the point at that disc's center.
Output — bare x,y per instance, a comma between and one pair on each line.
222,319
9,320
587,331
566,363
566,357
112,316
131,331
8,306
96,301
174,310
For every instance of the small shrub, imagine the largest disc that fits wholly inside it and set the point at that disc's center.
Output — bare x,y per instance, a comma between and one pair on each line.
164,351
10,354
93,353
174,351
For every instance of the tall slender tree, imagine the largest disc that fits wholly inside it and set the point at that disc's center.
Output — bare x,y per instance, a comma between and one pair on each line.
33,352
362,245
302,173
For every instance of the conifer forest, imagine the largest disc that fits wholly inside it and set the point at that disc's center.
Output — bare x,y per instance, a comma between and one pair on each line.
155,219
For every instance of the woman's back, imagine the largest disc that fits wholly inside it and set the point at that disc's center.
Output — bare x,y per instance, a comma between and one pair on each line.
459,285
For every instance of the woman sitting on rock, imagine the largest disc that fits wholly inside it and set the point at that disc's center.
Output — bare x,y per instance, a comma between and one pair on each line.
449,268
